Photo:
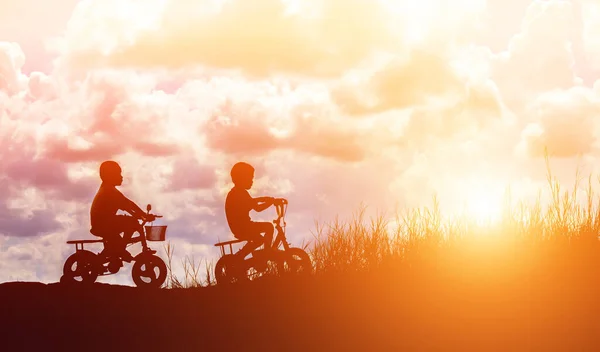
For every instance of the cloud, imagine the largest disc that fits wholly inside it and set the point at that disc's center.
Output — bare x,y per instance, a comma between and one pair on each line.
590,12
540,58
563,122
22,221
401,83
260,37
12,59
19,254
110,120
477,109
30,23
14,223
188,173
41,87
317,136
240,128
243,128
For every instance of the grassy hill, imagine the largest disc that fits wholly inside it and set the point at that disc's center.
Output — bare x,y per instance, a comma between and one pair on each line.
542,307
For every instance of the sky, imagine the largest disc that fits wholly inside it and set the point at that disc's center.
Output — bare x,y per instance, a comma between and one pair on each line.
336,103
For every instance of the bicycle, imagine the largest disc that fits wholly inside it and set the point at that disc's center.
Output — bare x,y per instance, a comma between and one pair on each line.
148,270
232,268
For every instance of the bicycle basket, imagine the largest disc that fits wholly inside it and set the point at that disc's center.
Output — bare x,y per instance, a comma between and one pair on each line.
156,233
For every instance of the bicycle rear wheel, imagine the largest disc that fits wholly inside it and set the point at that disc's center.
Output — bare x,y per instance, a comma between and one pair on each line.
229,269
81,267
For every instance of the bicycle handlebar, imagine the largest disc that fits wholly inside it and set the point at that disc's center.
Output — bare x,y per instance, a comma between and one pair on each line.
280,205
154,215
280,201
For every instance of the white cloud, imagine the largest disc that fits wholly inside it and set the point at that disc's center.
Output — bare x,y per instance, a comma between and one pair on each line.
539,58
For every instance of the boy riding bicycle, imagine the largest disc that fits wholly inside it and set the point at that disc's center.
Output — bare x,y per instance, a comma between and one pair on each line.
237,210
104,220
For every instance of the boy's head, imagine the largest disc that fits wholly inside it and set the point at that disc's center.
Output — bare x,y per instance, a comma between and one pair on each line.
110,173
242,175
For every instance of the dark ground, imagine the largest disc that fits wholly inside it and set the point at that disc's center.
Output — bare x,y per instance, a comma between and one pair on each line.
554,311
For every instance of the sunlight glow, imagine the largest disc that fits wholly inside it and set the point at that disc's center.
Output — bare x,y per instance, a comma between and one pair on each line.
484,208
483,202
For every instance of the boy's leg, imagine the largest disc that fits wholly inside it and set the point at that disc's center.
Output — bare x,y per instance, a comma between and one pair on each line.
253,243
268,230
128,225
113,243
253,236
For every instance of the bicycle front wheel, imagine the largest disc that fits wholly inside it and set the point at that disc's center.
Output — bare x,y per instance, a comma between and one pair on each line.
297,261
149,271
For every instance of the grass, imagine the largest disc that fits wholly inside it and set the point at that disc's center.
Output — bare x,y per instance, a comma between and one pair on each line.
559,234
191,271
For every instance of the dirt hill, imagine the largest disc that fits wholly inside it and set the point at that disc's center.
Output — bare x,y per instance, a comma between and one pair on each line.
358,312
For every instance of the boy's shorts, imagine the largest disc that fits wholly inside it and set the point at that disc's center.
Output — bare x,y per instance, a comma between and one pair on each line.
252,232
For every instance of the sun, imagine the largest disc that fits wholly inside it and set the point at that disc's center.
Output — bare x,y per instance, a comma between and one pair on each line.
484,208
477,198
483,201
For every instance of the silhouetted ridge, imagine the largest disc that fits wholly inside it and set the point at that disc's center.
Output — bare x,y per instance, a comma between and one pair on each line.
383,310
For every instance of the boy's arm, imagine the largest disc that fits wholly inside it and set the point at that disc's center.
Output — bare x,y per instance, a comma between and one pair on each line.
135,210
262,203
132,208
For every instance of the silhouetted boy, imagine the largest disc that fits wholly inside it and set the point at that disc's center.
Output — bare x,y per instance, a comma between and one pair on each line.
105,222
237,210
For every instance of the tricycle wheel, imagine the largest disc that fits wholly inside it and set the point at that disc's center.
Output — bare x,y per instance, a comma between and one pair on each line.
229,269
297,261
81,266
149,271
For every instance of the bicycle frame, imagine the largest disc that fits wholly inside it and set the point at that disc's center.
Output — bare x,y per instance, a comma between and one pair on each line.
133,240
280,238
279,227
79,244
141,238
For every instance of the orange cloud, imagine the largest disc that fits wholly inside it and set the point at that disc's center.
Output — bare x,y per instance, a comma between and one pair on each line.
243,129
259,37
425,74
467,118
564,122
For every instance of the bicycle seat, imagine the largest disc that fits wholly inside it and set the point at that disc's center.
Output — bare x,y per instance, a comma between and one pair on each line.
228,243
220,244
102,234
84,241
